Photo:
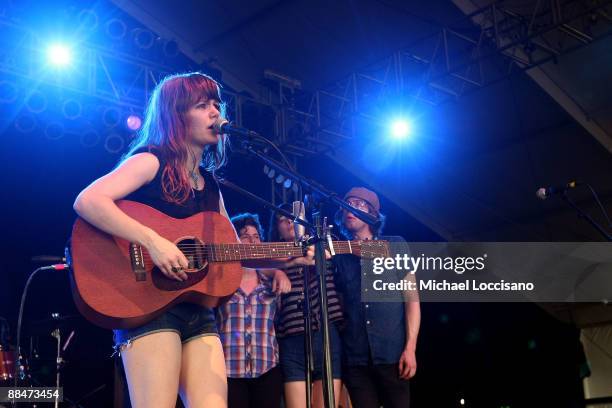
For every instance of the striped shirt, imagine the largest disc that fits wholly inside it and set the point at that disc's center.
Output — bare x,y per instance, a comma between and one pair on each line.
246,328
291,316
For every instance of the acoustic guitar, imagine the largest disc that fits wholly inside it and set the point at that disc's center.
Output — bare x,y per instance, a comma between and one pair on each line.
116,285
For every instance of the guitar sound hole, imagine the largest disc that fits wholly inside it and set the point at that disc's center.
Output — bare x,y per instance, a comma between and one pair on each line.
194,251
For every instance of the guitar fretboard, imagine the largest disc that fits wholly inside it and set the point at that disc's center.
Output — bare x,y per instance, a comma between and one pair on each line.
240,252
267,250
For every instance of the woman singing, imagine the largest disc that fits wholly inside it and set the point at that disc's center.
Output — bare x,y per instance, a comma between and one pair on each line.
170,168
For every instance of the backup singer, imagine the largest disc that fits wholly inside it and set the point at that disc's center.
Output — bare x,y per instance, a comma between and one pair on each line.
246,327
290,327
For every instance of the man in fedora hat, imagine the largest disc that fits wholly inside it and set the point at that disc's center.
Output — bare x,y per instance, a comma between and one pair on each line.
379,338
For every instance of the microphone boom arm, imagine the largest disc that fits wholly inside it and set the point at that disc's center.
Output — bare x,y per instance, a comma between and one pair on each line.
311,185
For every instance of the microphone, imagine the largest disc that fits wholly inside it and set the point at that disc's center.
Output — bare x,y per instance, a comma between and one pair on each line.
55,267
224,127
67,343
298,211
544,192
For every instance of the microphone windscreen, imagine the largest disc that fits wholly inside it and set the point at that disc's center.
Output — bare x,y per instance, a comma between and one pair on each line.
298,212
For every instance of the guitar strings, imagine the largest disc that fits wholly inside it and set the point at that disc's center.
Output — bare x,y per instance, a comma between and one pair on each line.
220,252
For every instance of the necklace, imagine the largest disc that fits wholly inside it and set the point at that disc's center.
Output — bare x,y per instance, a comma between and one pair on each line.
193,173
194,176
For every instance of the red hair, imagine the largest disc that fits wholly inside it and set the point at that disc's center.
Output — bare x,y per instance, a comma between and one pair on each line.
165,128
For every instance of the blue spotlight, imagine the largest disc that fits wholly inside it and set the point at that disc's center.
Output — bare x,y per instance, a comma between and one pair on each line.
401,129
59,55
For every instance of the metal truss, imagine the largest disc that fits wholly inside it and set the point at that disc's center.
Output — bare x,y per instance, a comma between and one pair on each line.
117,78
443,66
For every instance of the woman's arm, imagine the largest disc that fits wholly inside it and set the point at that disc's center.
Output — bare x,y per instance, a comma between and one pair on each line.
96,204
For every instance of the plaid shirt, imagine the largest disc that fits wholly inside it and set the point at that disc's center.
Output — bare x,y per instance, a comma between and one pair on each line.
246,328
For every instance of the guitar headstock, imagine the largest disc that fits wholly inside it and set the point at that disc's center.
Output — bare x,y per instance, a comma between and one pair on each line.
373,249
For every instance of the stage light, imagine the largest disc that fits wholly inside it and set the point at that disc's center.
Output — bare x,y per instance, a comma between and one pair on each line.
269,172
36,102
133,122
25,123
90,138
114,143
54,131
8,92
72,109
170,48
111,116
115,29
401,129
143,39
59,55
88,20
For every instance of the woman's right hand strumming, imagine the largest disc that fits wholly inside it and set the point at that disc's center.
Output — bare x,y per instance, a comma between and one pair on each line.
96,204
168,258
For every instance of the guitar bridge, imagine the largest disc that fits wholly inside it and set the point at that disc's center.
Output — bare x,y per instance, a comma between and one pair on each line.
138,265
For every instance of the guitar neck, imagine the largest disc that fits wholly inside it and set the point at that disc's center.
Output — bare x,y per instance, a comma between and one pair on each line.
363,249
270,250
243,252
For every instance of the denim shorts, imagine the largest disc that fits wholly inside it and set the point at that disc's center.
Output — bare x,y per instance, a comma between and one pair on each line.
187,319
291,353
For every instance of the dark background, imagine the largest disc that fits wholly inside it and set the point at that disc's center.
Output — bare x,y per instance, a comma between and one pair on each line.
492,355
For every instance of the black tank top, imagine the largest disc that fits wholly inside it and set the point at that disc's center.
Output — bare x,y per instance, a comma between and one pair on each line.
152,193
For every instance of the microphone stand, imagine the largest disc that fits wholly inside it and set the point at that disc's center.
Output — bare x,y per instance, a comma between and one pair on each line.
321,266
261,201
59,362
20,373
308,353
319,234
586,216
20,368
299,236
311,185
